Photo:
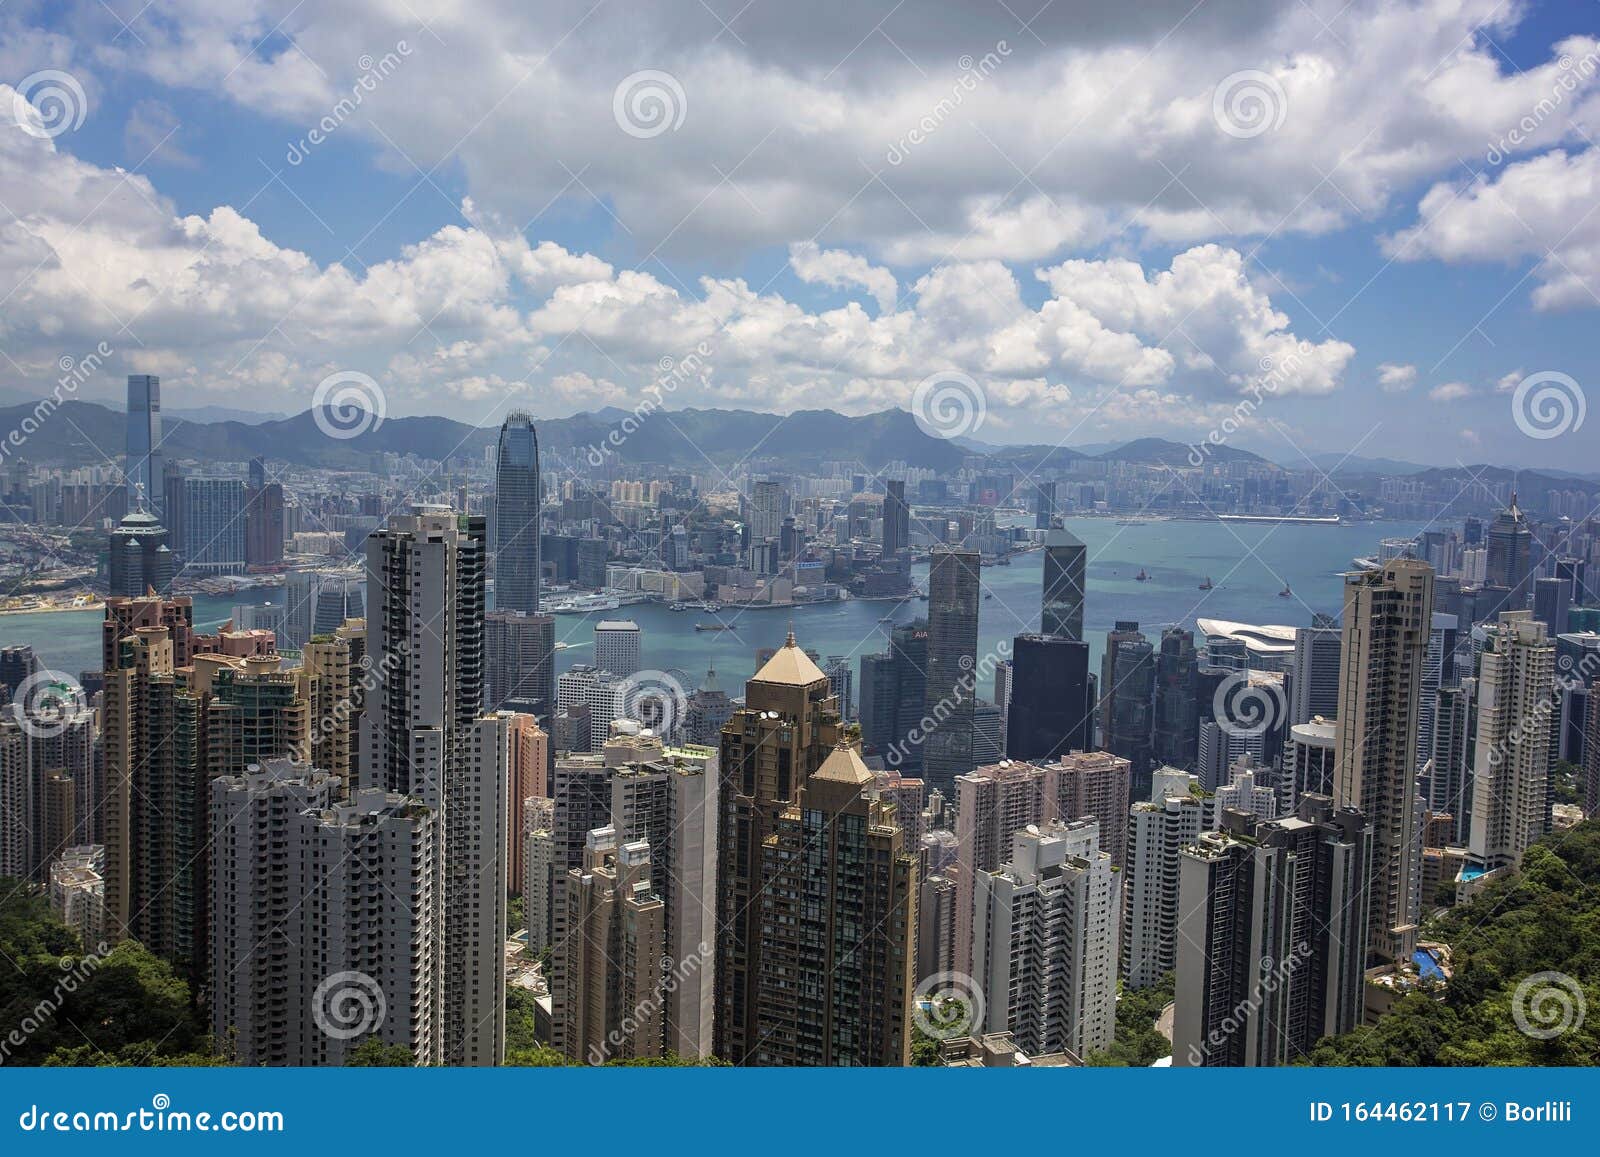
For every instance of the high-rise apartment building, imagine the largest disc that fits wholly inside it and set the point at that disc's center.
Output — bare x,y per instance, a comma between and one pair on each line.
326,928
1511,769
789,725
1271,936
421,735
1045,938
516,516
1387,618
213,525
1157,831
1091,784
953,594
991,803
838,918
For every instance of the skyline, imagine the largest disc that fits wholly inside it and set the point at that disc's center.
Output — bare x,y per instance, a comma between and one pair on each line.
1367,184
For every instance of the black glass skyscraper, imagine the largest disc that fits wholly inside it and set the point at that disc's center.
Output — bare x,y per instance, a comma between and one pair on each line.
1052,698
516,516
1177,715
893,687
896,517
1065,560
142,467
953,589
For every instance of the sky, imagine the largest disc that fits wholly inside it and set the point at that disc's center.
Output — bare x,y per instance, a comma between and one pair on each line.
1299,228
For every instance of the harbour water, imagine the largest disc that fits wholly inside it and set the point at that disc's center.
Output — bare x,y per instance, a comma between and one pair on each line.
1249,565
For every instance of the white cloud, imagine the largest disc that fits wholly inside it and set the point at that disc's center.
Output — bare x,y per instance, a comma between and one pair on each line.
1450,392
1508,382
840,270
1395,378
1542,208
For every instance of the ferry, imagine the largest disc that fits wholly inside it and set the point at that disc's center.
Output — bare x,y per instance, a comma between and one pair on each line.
1142,577
1205,586
1285,593
712,627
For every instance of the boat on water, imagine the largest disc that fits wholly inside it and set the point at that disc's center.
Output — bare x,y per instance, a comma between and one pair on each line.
887,619
1142,577
1205,586
712,627
1285,593
583,604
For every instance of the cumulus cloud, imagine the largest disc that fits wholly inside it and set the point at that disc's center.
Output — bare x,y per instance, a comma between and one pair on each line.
840,270
1541,208
1450,392
1395,378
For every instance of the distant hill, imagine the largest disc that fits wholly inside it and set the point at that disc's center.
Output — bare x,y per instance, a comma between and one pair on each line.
1340,464
1161,452
81,433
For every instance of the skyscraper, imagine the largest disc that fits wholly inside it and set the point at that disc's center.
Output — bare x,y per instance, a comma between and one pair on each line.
991,803
1045,940
302,936
1127,692
1510,561
1052,698
1044,505
142,466
894,688
838,913
1387,620
421,736
1177,709
1316,672
1091,784
1510,778
516,516
789,725
1551,598
617,645
519,661
1270,938
896,517
953,592
1157,831
139,559
1065,564
213,525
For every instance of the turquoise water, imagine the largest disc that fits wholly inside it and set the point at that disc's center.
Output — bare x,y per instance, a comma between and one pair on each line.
1249,564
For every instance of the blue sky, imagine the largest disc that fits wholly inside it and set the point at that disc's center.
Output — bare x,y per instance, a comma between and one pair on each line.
1308,226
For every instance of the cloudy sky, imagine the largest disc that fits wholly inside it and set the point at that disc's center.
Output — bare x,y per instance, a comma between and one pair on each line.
1361,226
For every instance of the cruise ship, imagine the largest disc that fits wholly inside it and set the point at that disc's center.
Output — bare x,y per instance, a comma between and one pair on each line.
582,604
